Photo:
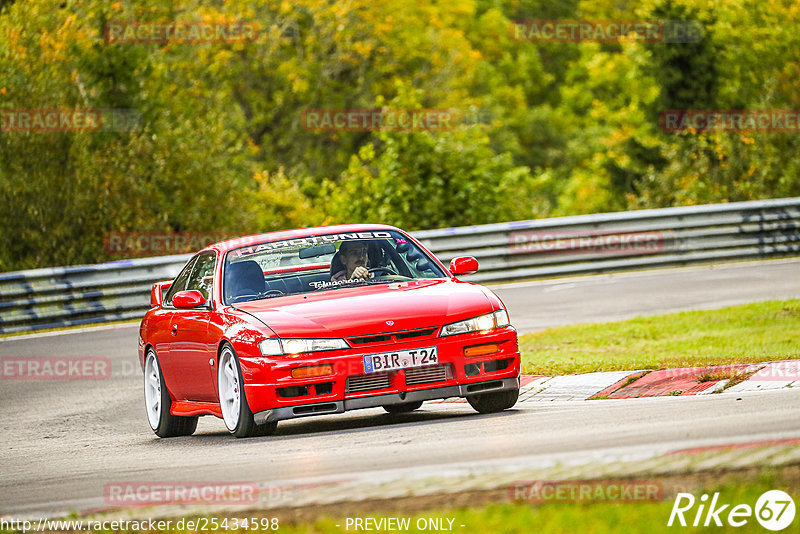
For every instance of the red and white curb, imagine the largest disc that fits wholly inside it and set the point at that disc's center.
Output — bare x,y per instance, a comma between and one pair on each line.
569,387
662,382
773,375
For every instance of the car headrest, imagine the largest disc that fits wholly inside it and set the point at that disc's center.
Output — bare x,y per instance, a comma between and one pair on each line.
336,264
242,278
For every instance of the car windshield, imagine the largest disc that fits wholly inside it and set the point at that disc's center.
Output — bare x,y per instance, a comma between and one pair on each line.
323,262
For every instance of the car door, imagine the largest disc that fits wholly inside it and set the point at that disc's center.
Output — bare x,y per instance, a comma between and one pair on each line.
161,334
193,351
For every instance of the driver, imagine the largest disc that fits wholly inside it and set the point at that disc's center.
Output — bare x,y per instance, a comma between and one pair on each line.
355,259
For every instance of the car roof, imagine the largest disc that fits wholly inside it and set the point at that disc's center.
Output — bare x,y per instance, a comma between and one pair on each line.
230,244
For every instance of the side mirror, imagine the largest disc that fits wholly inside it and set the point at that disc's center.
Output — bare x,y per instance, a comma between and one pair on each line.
188,299
464,265
157,293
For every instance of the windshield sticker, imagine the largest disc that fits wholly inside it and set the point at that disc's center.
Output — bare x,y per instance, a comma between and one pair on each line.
334,283
307,242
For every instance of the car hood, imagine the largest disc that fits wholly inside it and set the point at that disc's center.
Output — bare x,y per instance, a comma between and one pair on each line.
368,310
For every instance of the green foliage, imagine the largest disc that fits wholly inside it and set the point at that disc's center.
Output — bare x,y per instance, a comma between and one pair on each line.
564,128
686,71
422,180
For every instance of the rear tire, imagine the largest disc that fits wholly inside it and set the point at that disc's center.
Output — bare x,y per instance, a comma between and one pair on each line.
158,403
232,400
402,408
494,402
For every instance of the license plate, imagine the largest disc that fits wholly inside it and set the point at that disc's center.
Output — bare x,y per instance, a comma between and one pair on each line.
401,359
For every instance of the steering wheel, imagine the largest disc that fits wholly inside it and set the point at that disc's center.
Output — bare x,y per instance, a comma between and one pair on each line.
387,270
274,292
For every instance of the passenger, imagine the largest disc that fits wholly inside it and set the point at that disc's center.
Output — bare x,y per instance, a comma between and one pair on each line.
353,260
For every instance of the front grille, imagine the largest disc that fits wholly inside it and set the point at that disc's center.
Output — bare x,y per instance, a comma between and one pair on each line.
390,336
367,382
496,365
370,339
424,375
415,333
293,391
329,407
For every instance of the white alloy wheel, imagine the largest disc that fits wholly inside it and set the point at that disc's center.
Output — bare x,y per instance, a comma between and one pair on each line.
158,404
152,390
230,391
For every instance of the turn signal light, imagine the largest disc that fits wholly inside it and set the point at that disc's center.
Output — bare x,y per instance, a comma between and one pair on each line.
312,371
481,350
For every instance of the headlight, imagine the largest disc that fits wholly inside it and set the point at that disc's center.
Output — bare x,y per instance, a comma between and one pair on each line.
296,346
276,347
489,321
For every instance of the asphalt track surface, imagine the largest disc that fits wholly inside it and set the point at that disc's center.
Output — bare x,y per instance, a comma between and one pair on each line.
62,441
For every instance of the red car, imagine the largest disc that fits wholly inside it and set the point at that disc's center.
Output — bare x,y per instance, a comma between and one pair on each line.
319,321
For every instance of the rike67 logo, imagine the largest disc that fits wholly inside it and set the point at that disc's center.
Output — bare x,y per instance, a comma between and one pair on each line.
774,510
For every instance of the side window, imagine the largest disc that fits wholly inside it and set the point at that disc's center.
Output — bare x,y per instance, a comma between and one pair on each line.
180,282
202,277
390,258
416,261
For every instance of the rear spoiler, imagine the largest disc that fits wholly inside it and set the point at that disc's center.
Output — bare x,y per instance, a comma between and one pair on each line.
157,293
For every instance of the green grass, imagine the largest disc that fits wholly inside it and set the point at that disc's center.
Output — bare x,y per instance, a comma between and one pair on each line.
595,517
739,334
570,518
599,518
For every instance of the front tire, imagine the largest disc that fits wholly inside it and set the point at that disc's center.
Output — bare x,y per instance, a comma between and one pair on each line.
158,403
402,408
494,402
232,401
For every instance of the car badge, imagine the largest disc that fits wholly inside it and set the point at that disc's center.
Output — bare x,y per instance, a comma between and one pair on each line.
390,323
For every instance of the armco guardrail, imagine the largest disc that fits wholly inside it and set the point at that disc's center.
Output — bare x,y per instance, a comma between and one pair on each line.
624,240
46,298
83,294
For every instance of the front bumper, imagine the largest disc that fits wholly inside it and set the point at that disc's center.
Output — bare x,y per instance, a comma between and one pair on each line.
270,388
340,406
